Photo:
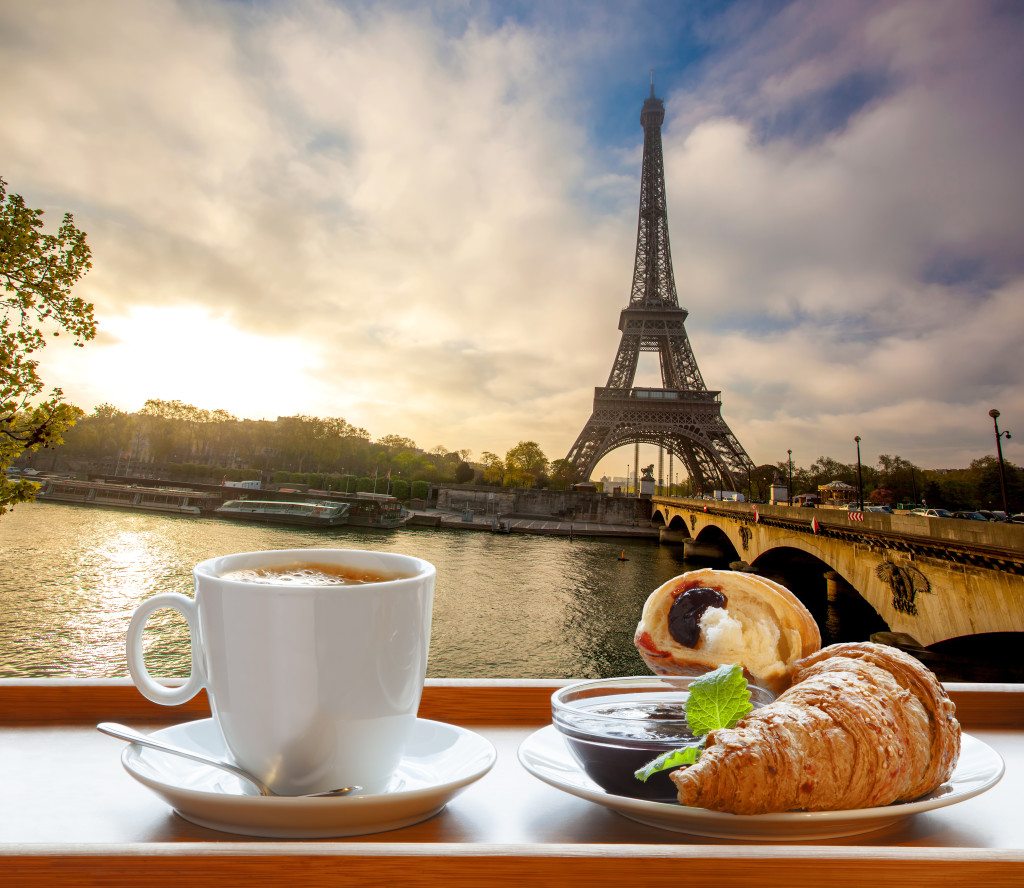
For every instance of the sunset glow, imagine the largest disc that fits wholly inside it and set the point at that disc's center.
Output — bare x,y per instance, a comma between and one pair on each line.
422,217
204,359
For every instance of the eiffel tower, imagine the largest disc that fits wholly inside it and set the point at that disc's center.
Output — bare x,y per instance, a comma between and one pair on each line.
682,417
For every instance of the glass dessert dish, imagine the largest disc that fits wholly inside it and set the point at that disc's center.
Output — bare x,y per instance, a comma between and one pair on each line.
614,726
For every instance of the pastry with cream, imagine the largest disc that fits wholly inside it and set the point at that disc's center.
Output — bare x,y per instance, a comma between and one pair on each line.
704,618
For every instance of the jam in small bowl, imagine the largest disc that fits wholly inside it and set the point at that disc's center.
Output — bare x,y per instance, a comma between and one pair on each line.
614,726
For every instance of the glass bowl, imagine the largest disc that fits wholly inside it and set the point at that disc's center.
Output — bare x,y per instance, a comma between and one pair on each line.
614,726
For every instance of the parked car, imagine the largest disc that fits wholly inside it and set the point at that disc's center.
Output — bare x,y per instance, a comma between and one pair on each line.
933,513
1018,518
970,516
994,514
886,509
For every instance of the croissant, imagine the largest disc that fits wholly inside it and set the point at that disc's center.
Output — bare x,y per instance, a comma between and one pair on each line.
863,725
705,618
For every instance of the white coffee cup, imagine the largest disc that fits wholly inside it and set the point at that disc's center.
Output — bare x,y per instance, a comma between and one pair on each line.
313,687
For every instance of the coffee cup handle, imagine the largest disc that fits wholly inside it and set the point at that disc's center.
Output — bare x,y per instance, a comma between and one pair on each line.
150,687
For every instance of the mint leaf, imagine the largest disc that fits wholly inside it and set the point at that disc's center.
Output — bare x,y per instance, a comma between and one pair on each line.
674,758
718,700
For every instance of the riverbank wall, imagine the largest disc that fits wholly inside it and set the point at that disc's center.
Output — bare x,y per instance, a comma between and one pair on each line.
568,505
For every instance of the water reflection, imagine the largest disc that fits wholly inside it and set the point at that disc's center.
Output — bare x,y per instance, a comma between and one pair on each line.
505,606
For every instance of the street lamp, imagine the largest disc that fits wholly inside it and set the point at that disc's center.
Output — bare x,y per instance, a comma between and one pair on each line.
860,478
999,451
789,487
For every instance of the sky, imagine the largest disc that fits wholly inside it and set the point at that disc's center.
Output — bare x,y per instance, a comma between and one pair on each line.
422,217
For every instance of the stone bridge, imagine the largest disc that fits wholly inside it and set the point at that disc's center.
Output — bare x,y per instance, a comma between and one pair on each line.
929,578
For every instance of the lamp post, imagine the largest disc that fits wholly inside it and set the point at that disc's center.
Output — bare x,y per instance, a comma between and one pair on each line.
860,478
789,486
999,452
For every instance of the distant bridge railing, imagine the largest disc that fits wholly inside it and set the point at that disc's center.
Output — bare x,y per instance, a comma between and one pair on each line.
993,544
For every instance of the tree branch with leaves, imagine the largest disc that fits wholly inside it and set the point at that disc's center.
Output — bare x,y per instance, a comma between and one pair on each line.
37,274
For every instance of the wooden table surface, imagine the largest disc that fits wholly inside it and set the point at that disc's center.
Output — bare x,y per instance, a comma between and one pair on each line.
70,814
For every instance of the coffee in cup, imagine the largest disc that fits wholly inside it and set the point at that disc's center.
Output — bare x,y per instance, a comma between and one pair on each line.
313,660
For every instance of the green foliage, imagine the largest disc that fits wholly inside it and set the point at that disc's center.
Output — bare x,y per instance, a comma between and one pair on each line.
563,475
760,483
166,435
364,485
494,468
37,274
420,490
716,700
397,443
934,496
400,489
464,472
525,464
239,474
669,761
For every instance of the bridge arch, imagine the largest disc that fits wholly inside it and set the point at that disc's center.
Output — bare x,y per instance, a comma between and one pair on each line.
840,610
714,536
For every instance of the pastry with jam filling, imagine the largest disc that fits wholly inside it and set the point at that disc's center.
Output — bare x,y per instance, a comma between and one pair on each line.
704,618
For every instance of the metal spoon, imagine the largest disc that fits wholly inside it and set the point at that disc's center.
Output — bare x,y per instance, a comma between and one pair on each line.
123,732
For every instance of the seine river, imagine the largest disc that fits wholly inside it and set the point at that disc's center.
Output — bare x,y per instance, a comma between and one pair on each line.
506,606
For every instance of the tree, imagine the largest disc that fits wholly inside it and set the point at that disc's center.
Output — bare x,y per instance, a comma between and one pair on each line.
900,476
464,472
563,474
882,496
37,274
494,468
397,442
761,479
525,464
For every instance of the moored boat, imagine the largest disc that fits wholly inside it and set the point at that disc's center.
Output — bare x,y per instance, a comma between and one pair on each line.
376,510
311,514
177,501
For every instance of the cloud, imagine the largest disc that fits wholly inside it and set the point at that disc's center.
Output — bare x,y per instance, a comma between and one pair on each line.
868,278
419,197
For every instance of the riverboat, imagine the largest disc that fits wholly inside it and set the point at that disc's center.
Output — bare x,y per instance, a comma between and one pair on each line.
311,514
178,501
376,510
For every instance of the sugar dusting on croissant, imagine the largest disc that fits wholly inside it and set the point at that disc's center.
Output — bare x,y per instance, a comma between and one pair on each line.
863,725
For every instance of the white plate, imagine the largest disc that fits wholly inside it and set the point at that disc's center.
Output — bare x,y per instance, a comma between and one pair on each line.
546,755
442,760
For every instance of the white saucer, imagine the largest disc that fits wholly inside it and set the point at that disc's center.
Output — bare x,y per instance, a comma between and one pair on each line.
442,760
546,755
